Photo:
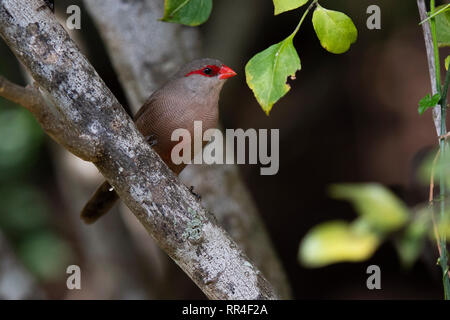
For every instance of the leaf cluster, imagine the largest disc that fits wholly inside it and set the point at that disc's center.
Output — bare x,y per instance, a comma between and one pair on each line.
268,71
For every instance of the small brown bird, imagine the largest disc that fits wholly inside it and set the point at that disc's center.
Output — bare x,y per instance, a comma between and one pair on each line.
192,94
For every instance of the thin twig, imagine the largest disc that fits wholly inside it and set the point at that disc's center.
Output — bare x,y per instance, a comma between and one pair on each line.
435,14
431,65
431,196
431,199
24,96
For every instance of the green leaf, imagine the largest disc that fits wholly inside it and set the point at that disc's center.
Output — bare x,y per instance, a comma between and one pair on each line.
334,29
187,12
428,102
287,5
337,241
411,242
447,62
376,204
267,72
443,27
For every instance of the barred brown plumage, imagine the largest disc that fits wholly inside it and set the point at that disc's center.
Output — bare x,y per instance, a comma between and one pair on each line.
189,95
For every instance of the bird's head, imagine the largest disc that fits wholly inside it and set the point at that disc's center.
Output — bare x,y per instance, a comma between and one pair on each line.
208,68
203,76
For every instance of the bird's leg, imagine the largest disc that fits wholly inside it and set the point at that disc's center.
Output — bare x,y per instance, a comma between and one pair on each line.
151,139
196,195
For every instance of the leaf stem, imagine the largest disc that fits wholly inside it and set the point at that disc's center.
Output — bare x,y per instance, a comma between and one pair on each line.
303,18
435,14
443,100
442,146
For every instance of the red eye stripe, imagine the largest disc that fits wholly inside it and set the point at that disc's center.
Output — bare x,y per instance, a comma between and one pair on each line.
212,72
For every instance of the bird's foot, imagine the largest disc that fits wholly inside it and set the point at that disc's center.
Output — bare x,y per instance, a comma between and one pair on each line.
196,195
151,139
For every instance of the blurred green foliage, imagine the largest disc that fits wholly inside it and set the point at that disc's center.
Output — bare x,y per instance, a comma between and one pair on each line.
431,167
382,216
382,210
335,241
411,242
20,143
25,212
23,209
45,254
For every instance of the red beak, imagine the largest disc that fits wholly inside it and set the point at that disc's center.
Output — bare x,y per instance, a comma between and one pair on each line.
226,72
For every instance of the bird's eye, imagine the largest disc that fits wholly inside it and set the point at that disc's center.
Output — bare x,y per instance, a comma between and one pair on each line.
207,71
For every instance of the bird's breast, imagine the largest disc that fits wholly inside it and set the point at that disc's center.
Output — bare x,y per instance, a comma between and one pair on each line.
167,113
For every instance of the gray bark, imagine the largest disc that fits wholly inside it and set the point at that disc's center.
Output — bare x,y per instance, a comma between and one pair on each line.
88,120
108,259
431,63
145,52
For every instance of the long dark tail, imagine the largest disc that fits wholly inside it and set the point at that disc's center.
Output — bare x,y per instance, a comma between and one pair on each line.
99,204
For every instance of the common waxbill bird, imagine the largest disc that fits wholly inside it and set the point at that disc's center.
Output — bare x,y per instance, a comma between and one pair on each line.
192,94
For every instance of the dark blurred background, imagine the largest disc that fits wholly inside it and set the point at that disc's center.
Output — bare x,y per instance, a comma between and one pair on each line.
348,118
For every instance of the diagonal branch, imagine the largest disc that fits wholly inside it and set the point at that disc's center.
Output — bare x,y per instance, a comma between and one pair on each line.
142,67
100,131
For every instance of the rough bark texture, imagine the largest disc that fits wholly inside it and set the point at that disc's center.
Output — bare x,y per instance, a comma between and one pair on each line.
93,125
145,52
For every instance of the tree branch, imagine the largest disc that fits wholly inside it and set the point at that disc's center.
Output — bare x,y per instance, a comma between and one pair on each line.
26,97
128,31
30,98
100,131
431,63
